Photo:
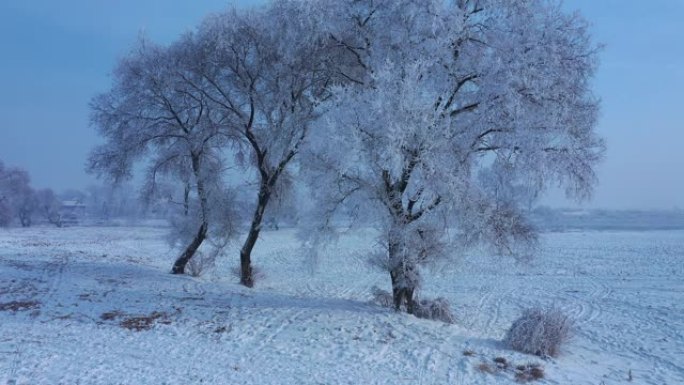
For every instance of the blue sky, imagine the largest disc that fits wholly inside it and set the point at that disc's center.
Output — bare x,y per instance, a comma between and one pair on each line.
56,55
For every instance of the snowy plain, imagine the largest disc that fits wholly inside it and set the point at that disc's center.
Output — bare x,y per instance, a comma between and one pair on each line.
69,299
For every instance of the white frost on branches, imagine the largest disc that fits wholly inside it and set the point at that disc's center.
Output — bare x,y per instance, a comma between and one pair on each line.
454,114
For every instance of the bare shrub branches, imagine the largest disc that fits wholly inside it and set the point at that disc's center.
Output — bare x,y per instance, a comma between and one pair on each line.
200,263
437,309
540,332
381,297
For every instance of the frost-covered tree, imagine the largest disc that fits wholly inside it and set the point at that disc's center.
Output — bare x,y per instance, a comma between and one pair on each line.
6,213
456,112
154,112
16,196
265,73
48,206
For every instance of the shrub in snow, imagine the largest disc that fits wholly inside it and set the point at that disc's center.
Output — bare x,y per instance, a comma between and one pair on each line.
437,309
200,263
257,273
381,297
539,331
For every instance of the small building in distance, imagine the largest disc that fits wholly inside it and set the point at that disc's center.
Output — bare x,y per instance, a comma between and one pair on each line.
72,212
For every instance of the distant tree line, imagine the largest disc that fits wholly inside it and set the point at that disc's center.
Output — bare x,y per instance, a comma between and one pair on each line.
23,205
19,202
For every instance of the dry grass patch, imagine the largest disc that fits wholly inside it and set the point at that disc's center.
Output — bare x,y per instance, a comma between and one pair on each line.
485,367
381,297
438,309
19,305
501,363
522,373
145,322
529,372
112,315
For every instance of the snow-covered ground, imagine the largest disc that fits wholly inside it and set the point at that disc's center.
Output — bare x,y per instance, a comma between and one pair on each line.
69,299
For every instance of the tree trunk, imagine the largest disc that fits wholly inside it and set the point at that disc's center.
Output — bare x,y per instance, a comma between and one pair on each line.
402,291
246,273
182,261
402,284
25,220
186,199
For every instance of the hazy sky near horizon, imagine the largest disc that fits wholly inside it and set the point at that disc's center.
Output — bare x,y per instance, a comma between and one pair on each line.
56,55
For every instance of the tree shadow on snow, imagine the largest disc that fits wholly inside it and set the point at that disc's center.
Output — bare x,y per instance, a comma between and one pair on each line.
106,286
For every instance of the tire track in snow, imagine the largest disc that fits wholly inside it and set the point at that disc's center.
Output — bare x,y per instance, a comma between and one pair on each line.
438,363
489,307
53,274
611,336
358,291
472,314
585,307
267,332
194,288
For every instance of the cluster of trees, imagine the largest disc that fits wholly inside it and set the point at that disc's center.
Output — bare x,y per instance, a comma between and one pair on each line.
19,202
23,205
107,204
415,117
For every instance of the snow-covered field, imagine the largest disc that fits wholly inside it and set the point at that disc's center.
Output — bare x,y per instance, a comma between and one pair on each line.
69,299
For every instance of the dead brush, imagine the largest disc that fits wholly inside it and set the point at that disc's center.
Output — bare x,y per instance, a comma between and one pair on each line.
200,264
19,305
146,322
522,373
540,332
529,372
486,367
501,363
257,273
111,315
381,297
438,309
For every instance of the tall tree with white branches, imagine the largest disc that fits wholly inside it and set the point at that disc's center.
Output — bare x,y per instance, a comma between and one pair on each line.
266,75
453,110
154,114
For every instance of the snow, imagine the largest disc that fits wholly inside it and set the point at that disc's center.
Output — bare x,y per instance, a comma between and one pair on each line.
315,326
